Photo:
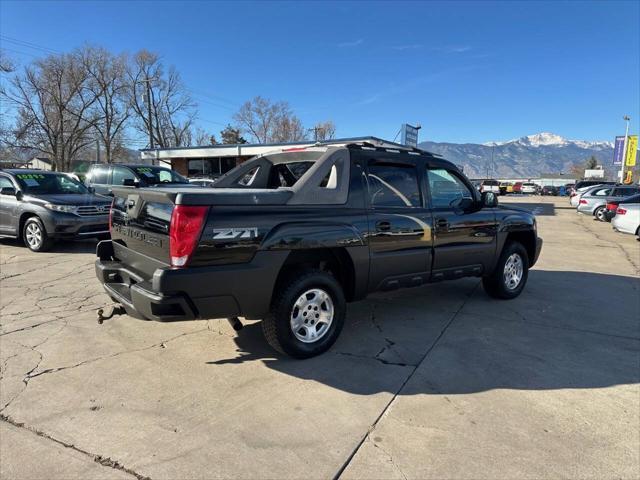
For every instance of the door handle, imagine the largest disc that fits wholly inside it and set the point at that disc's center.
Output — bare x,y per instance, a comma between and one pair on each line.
442,223
383,226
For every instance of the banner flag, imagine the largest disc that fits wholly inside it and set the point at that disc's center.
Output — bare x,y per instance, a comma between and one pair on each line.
632,149
618,151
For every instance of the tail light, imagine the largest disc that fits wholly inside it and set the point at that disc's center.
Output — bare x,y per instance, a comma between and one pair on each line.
612,206
111,215
184,232
583,202
621,211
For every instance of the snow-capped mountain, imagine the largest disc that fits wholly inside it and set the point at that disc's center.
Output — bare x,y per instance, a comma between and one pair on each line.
527,156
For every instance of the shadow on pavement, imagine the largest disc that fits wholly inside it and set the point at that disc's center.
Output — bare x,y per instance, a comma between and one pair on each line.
541,209
61,246
567,330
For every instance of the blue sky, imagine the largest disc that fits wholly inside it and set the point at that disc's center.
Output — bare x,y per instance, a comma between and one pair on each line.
468,72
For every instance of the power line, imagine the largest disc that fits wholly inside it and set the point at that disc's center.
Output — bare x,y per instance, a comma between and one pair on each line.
24,43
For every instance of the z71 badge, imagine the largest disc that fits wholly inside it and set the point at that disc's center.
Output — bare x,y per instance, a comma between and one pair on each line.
235,233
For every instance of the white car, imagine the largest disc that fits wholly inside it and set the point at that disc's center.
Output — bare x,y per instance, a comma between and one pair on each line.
529,188
627,219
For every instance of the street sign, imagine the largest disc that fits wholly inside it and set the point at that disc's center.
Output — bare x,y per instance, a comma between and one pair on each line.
632,149
618,151
409,135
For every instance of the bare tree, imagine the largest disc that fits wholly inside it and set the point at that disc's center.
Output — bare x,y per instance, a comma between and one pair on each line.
54,108
7,65
265,121
324,131
164,110
202,137
107,81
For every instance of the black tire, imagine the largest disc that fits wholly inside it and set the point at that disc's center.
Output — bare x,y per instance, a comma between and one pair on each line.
497,285
277,327
34,235
598,213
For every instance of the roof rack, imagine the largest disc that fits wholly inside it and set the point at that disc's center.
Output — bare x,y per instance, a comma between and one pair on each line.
399,148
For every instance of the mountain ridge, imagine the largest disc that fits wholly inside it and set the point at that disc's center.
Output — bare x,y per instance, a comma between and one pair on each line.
527,156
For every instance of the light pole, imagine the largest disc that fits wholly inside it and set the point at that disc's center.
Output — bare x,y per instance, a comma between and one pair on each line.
626,118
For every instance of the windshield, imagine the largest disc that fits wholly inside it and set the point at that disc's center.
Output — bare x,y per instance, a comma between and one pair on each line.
155,175
49,184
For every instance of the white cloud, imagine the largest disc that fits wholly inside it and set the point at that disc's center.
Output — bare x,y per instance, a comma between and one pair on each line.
413,46
354,43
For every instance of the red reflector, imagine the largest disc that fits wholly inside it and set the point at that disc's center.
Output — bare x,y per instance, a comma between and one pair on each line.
621,211
583,202
111,215
184,232
294,149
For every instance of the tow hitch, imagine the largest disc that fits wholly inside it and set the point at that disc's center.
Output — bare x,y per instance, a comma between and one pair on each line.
112,311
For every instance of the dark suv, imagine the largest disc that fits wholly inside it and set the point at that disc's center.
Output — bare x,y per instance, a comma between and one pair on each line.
40,207
103,177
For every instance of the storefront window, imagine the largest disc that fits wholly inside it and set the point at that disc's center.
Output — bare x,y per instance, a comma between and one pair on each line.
210,167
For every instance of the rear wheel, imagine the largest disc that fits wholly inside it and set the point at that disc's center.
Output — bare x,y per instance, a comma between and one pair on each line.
35,235
510,275
599,213
307,315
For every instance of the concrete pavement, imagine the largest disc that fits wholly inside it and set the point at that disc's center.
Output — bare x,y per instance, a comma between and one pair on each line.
434,382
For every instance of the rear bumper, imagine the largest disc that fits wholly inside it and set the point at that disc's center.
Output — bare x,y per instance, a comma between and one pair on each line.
191,293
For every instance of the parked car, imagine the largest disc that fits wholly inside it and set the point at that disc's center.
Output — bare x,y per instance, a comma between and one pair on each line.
290,237
549,190
102,178
517,187
490,185
574,198
594,201
612,206
529,188
627,219
40,207
506,188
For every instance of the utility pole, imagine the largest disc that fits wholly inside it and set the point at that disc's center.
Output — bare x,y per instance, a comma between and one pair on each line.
97,150
150,123
626,118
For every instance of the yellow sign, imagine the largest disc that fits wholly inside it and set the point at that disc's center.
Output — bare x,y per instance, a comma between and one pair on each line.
632,148
629,178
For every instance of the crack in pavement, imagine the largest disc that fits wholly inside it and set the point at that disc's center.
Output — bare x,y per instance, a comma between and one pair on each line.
373,426
102,460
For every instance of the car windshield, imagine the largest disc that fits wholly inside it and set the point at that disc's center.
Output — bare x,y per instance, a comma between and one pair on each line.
49,184
156,175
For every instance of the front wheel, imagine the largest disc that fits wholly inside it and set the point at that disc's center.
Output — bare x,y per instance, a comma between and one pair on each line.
510,275
306,316
35,235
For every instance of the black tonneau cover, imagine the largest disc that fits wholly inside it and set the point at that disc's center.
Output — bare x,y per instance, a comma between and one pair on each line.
209,196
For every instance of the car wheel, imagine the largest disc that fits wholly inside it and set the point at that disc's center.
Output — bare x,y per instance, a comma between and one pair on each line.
306,316
35,235
599,213
510,275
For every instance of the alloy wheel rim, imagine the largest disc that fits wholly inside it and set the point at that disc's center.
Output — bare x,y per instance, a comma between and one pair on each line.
312,315
513,271
600,214
34,235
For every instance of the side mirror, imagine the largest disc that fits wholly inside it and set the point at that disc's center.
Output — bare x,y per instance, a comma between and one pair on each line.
489,199
9,191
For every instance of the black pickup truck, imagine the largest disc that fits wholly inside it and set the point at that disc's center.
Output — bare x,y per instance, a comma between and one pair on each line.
292,236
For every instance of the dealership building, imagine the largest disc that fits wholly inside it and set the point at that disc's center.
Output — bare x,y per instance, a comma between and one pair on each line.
213,161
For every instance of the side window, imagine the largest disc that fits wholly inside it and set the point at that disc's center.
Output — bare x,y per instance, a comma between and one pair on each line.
5,183
392,186
603,193
100,175
249,177
446,188
120,174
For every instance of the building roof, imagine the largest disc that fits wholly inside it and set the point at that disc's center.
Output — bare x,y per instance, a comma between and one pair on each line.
252,149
